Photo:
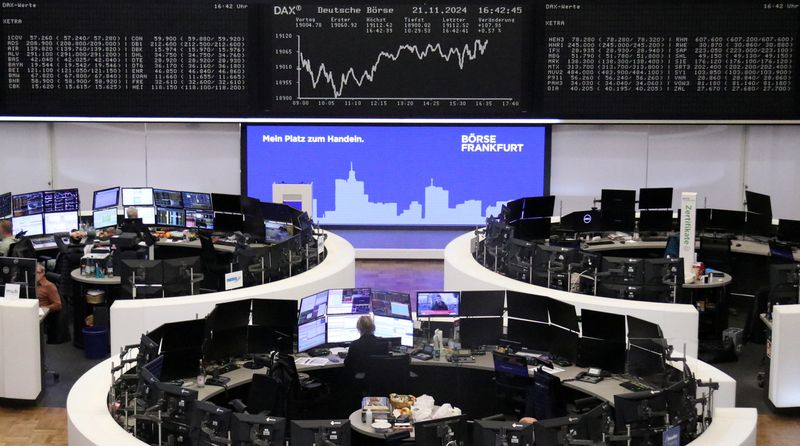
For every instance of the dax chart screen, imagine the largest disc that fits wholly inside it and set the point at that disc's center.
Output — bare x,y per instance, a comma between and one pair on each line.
400,175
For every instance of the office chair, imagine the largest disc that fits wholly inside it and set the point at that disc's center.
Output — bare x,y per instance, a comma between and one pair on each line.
22,248
519,260
715,253
387,374
266,397
510,389
214,269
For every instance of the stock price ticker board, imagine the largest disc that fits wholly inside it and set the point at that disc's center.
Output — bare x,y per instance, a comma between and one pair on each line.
580,59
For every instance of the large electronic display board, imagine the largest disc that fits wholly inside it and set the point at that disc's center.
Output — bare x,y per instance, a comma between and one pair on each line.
571,59
447,175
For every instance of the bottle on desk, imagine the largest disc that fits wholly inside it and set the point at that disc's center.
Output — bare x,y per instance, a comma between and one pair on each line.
201,375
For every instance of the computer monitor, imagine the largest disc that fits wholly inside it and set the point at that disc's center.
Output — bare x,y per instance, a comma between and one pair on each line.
726,221
789,230
617,199
63,200
563,343
640,410
513,210
620,291
655,221
177,401
602,353
492,433
278,212
349,301
601,325
586,428
311,334
391,304
758,224
482,303
510,365
55,222
391,327
342,328
321,432
479,331
450,430
655,198
148,349
226,203
15,270
531,335
106,198
146,213
104,218
313,307
582,221
622,270
141,279
197,201
438,303
532,229
539,207
555,259
278,314
562,314
702,219
228,222
623,220
167,198
640,328
137,196
210,423
526,306
181,335
5,205
758,203
225,345
178,276
30,224
230,315
647,359
248,430
199,219
27,204
149,376
170,217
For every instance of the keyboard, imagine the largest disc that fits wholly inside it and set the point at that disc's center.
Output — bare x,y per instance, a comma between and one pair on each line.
635,386
43,242
600,242
228,368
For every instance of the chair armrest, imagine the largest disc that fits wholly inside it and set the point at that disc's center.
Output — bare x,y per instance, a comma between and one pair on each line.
238,405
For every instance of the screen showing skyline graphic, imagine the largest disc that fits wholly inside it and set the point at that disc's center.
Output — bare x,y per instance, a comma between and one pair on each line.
449,174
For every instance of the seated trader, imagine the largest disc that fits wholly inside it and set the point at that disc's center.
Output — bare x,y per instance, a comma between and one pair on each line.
6,237
362,348
137,227
46,291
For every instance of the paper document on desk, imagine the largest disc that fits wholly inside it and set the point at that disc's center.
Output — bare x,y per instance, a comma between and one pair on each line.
311,361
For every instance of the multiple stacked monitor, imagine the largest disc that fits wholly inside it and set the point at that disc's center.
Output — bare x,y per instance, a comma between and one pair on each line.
44,212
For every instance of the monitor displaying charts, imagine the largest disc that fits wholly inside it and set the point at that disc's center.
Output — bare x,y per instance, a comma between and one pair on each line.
31,224
170,217
146,213
438,303
311,334
313,307
390,327
105,218
168,198
342,328
137,196
61,200
106,198
56,222
5,205
391,304
349,301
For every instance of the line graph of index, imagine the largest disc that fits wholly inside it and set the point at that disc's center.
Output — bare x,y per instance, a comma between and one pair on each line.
438,60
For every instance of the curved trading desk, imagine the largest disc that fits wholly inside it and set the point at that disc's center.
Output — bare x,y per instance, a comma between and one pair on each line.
679,322
131,318
90,422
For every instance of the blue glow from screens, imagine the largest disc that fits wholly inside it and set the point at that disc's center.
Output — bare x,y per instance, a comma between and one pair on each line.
438,303
399,175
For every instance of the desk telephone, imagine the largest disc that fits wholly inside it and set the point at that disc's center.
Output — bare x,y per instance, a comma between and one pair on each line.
593,375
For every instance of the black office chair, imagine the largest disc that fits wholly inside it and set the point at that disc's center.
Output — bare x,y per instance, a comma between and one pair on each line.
22,248
715,252
387,374
215,270
266,397
510,389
